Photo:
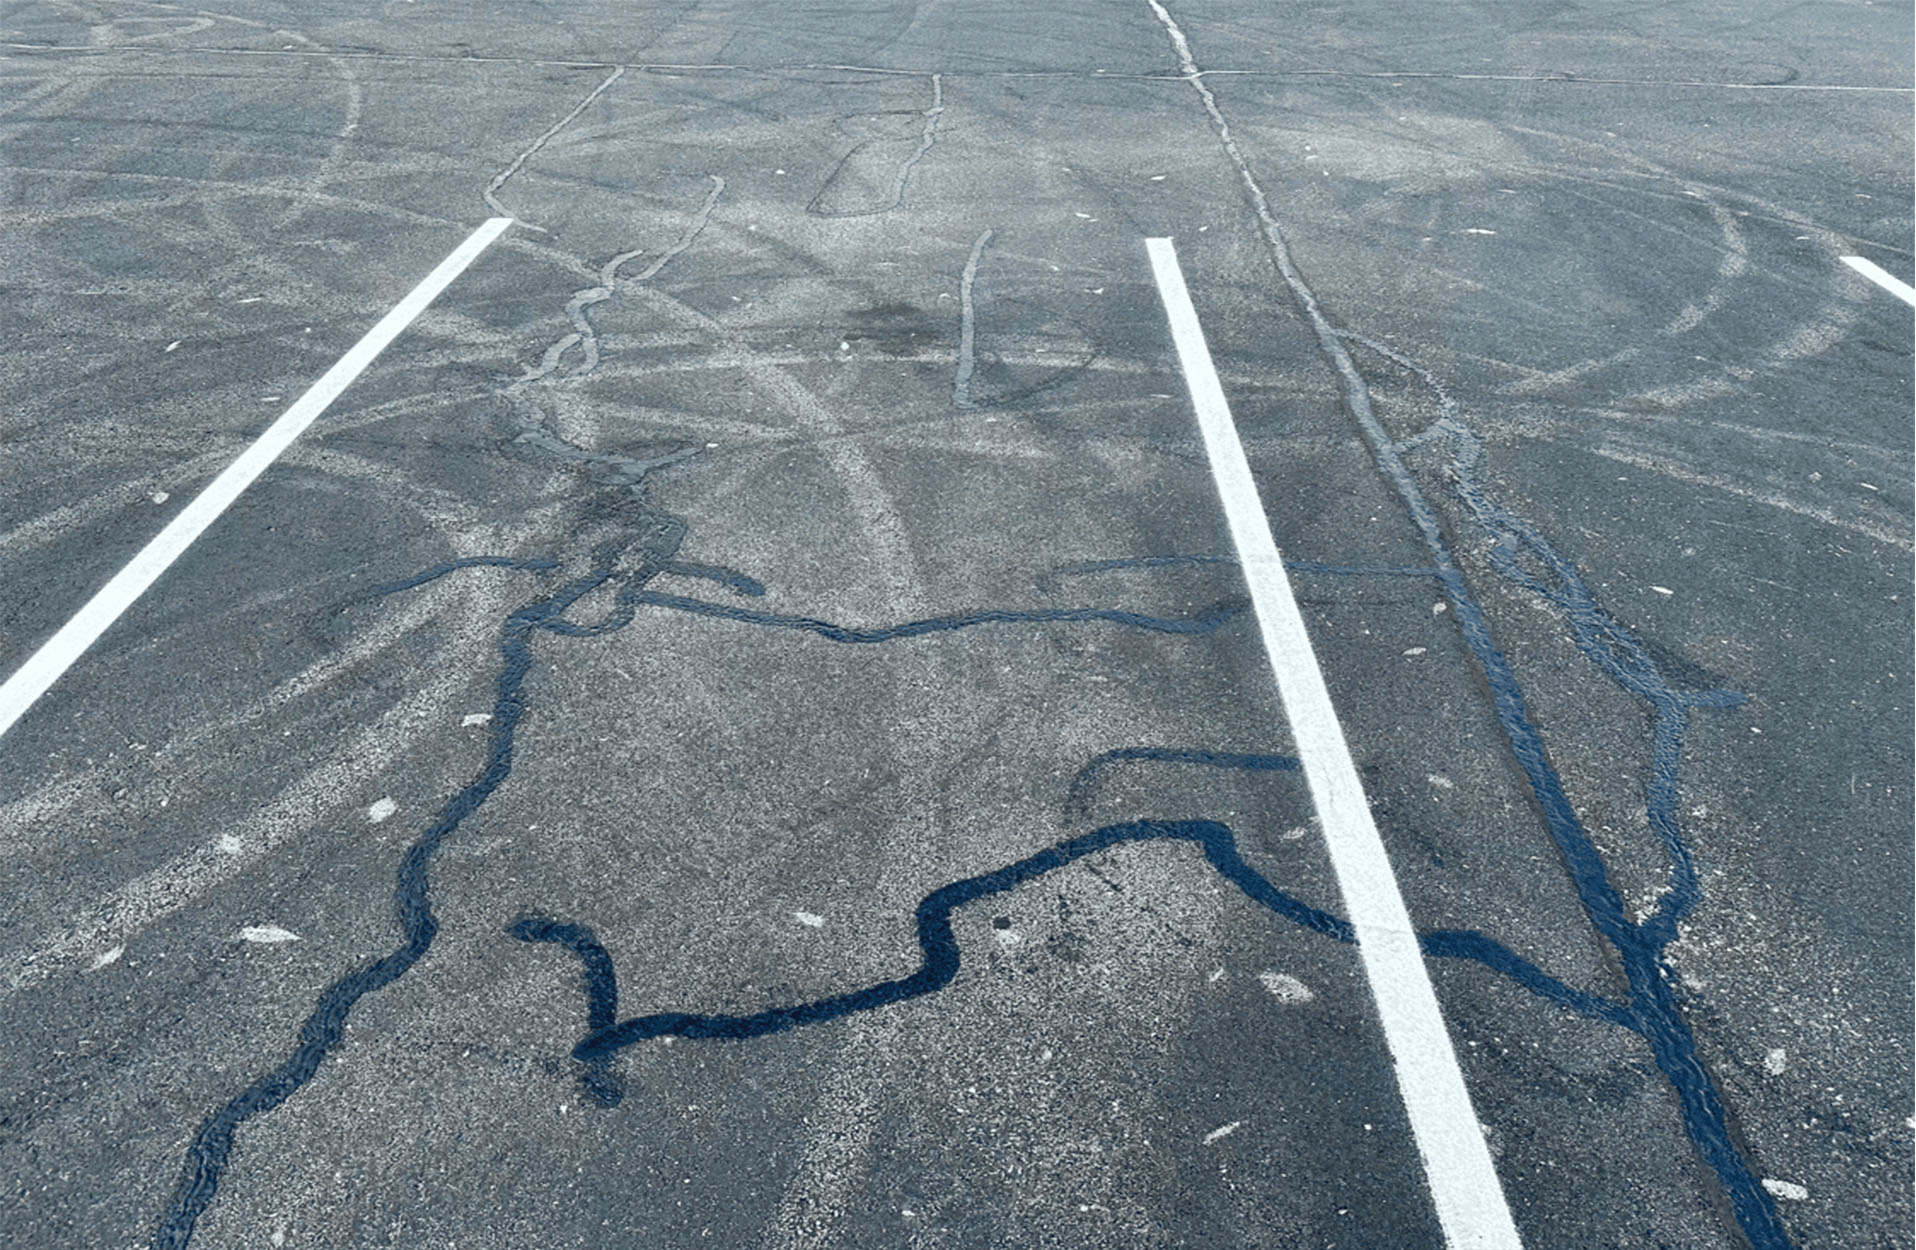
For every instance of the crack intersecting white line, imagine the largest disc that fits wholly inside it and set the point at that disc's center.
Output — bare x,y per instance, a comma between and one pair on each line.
492,188
1461,1177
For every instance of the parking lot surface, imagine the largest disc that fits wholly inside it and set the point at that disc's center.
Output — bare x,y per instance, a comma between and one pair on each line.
752,719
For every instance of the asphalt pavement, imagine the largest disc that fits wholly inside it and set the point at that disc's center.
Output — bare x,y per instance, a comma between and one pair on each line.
747,723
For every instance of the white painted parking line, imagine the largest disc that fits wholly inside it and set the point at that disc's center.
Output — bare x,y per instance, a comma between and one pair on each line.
1463,1181
57,654
1901,290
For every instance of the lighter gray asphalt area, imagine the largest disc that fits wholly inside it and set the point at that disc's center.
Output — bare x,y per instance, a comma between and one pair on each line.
780,583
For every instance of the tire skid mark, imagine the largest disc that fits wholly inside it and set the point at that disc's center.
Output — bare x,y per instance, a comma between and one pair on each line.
815,421
1868,517
1812,336
179,882
335,158
1640,946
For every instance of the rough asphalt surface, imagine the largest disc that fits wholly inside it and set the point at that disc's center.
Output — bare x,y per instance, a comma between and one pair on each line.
744,728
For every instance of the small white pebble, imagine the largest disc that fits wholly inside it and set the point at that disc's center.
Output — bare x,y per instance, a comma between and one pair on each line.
267,933
809,919
1157,177
466,722
1477,230
104,958
1869,486
1663,590
382,809
844,346
1286,988
159,496
1777,1061
1223,1130
1085,216
1788,1190
175,343
1415,651
1438,609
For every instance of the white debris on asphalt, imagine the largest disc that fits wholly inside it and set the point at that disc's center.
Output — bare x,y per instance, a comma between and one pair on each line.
1286,988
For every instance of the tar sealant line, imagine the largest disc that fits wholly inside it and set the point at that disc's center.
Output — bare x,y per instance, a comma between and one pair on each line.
1875,273
1468,1197
57,654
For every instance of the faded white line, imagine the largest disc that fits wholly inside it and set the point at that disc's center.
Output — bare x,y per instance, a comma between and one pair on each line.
57,654
1468,1197
1875,273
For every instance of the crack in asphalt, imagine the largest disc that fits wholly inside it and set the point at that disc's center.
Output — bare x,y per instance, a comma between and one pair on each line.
856,165
535,430
667,67
642,547
490,194
1653,1009
942,957
967,326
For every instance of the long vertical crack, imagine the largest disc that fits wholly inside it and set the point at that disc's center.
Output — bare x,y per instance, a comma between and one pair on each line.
534,429
1640,947
925,141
